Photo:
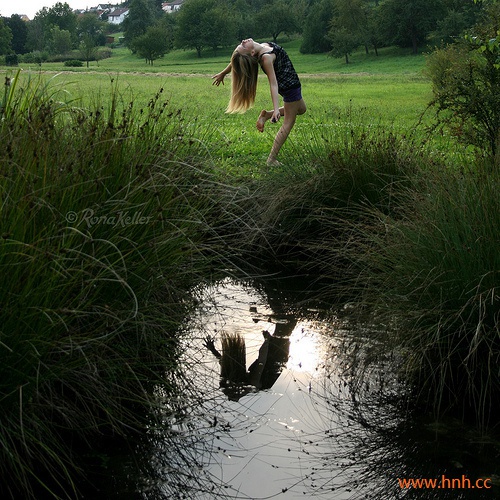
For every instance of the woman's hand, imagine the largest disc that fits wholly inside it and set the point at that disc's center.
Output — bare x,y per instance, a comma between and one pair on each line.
218,79
276,116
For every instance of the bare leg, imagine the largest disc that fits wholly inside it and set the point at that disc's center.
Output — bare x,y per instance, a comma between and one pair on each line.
291,110
264,116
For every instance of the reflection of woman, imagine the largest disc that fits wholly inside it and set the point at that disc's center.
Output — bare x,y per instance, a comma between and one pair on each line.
235,380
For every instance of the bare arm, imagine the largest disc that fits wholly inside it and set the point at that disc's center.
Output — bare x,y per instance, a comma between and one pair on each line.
267,66
209,344
219,77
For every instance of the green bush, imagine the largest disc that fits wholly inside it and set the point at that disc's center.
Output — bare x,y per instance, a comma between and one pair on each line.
466,85
35,57
11,60
74,63
105,53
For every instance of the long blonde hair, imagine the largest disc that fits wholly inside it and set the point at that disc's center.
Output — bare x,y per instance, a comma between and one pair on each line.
233,360
244,72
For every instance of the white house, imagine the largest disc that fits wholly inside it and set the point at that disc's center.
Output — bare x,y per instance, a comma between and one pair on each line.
117,16
172,6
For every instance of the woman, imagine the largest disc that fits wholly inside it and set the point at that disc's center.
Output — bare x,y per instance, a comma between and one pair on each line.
283,80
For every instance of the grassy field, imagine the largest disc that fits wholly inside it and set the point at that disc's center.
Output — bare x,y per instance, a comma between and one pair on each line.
388,91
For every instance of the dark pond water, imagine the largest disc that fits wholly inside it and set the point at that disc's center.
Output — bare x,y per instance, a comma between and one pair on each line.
283,405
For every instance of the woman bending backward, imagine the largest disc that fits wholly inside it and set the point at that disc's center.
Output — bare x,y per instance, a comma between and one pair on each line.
283,80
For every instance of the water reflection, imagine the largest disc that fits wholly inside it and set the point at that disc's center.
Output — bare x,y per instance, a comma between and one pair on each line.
272,357
286,407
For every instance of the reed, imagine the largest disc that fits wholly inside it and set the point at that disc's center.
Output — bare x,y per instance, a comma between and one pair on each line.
102,220
434,270
304,210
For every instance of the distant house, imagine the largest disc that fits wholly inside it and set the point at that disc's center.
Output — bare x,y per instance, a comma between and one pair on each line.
117,16
170,7
102,10
23,17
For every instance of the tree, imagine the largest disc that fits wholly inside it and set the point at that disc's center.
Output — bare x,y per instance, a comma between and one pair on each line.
60,40
157,9
88,48
316,27
90,32
219,28
5,38
343,41
449,28
350,14
62,16
408,22
460,16
155,43
279,17
38,31
244,16
374,36
466,85
89,25
348,27
19,30
140,17
203,23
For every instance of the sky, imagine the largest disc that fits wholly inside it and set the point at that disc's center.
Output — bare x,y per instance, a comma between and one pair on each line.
31,7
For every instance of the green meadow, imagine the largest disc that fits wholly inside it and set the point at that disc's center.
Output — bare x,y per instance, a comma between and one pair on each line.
388,91
125,185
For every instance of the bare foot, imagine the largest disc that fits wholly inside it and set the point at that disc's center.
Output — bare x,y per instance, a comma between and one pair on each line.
273,162
261,121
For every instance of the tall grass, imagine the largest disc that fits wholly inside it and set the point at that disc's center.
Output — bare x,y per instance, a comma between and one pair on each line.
102,222
436,268
381,220
307,204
